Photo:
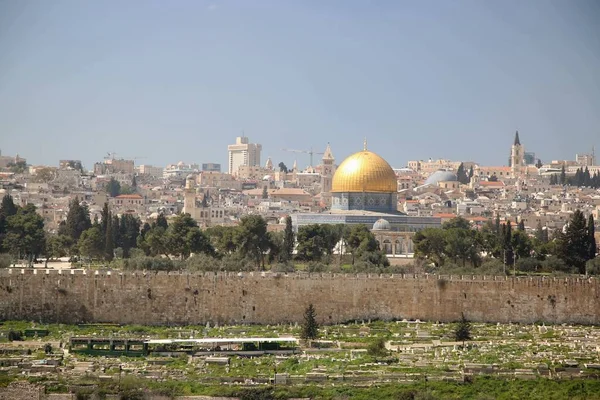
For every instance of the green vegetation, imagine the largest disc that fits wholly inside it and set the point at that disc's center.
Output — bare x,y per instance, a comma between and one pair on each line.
463,330
310,327
458,248
354,357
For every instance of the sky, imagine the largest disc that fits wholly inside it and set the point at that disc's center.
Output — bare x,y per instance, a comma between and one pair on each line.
168,81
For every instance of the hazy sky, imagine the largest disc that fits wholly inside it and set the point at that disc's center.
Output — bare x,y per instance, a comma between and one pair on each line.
179,80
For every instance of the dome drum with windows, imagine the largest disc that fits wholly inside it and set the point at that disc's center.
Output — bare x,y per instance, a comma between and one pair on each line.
364,181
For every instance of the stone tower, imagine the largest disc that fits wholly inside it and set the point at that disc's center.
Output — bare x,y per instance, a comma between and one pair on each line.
189,196
517,157
327,176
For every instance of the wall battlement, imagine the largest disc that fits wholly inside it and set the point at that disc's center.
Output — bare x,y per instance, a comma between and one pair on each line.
177,298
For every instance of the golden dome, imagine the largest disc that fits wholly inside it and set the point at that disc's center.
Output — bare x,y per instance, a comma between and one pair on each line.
364,171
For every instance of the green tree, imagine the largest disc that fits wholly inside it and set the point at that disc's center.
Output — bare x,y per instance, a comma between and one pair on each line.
310,327
289,240
574,245
154,242
521,244
282,167
509,258
361,243
490,240
223,239
377,348
462,332
461,174
58,246
109,237
430,244
311,242
7,209
18,167
591,229
521,226
252,239
161,221
25,236
78,219
265,193
276,247
129,230
113,187
462,244
563,176
90,243
198,242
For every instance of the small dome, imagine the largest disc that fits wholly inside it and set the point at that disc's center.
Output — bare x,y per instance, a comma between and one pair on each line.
441,176
381,225
282,220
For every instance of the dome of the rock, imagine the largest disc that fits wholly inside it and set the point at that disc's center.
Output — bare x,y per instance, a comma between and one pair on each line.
364,172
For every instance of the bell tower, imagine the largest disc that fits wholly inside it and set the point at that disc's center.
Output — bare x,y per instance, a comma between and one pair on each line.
517,157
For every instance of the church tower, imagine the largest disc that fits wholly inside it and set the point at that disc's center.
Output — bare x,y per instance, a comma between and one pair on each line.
327,176
517,157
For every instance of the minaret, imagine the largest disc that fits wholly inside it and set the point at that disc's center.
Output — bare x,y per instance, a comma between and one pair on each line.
517,155
189,197
295,172
327,176
269,164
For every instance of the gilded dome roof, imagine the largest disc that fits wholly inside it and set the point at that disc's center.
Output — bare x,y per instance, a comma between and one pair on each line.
364,171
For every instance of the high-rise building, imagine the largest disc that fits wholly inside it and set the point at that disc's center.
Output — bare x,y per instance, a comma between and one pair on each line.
211,167
585,159
243,153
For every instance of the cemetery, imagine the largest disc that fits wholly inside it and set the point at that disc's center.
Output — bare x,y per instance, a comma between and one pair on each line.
219,360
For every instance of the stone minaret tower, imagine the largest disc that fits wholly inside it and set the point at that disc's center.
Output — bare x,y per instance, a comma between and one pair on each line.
327,176
189,196
517,157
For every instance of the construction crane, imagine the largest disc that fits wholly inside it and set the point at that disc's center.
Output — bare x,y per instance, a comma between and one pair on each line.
310,152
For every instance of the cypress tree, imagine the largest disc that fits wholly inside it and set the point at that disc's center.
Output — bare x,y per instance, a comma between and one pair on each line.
109,239
288,239
463,330
162,221
521,226
539,233
7,209
508,250
310,328
563,176
78,220
591,238
574,248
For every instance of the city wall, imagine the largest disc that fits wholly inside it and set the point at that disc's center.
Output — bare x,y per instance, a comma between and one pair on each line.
75,296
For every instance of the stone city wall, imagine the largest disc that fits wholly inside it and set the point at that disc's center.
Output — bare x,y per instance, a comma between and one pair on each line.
76,296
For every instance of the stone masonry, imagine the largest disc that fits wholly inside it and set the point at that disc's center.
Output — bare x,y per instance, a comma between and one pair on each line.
77,296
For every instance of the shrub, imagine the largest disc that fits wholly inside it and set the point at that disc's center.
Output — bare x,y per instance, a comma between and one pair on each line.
14,335
377,348
592,267
555,264
147,264
5,260
528,264
283,267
